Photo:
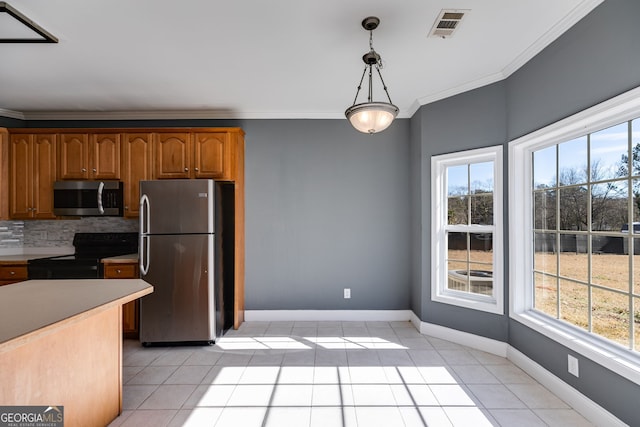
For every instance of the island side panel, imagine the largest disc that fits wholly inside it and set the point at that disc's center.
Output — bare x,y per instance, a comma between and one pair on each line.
76,366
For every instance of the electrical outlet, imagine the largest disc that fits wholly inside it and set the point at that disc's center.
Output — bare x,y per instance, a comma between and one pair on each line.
347,293
573,365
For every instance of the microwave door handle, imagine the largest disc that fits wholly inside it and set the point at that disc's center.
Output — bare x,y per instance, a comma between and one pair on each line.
100,188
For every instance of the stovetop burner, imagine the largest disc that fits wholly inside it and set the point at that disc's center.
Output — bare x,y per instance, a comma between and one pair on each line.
85,263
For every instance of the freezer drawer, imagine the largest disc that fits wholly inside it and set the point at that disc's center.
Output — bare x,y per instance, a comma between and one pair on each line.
181,270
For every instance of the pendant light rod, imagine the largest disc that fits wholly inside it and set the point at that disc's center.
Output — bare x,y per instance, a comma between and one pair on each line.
371,117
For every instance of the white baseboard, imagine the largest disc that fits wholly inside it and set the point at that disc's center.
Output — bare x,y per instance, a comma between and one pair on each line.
578,401
327,315
595,413
489,345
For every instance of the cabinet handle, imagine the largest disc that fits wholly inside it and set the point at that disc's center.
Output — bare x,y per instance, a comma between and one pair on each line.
94,170
196,169
12,273
118,271
83,170
186,169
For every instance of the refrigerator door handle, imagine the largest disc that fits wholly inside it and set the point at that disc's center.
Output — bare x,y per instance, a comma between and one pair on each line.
144,228
144,255
144,214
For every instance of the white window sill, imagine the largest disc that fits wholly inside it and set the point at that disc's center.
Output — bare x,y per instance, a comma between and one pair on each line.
482,304
615,358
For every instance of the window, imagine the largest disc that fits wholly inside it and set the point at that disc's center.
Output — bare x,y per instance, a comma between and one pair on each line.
574,232
467,229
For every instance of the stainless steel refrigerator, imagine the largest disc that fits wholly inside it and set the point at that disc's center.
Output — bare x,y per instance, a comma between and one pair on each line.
181,256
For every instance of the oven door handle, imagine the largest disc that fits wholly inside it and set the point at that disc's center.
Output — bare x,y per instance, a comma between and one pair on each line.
144,228
100,188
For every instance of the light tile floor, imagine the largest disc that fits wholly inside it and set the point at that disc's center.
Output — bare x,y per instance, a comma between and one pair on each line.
289,374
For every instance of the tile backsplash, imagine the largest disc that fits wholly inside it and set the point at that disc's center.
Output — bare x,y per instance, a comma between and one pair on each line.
11,234
58,233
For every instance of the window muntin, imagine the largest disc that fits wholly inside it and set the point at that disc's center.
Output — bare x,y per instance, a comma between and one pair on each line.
466,223
586,258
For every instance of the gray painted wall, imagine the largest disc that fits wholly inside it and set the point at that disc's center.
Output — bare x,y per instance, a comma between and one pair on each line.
596,60
470,120
7,122
327,208
415,159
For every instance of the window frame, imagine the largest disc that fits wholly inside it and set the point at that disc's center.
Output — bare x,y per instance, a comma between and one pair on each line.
613,356
439,227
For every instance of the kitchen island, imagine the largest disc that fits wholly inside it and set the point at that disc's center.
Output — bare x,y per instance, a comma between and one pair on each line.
61,345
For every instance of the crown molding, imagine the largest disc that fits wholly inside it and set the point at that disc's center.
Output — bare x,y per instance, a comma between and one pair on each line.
173,115
11,114
465,87
575,15
561,27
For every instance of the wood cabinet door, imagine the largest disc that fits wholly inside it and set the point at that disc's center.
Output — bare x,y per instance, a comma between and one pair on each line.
211,155
105,156
44,175
73,152
136,167
130,324
172,153
13,273
21,169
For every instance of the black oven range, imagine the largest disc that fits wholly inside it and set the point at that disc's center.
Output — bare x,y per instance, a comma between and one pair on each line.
85,263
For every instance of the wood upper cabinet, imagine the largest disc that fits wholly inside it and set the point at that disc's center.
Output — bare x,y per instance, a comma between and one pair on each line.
212,155
104,155
205,154
137,153
89,156
172,158
32,174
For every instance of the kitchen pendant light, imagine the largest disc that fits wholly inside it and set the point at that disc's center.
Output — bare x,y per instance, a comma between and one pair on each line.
371,117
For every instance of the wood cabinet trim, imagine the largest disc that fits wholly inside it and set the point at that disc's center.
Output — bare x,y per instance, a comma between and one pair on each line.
124,130
4,173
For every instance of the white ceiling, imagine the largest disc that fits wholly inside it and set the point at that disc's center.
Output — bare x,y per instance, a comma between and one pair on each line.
261,59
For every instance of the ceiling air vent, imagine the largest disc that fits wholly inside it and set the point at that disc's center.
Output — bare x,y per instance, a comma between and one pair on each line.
447,23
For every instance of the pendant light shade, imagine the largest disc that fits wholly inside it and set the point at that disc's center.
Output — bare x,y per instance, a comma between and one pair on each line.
371,117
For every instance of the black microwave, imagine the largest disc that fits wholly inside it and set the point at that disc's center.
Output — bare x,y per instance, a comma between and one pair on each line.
88,198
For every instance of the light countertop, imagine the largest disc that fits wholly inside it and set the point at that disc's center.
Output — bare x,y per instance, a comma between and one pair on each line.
11,259
121,259
23,258
35,306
